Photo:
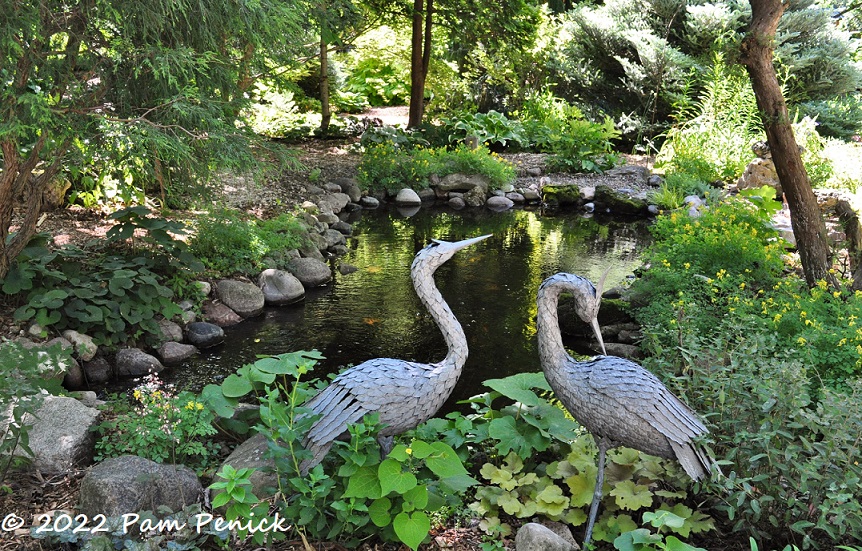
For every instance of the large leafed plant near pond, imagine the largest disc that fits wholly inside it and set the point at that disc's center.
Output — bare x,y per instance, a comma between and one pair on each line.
147,92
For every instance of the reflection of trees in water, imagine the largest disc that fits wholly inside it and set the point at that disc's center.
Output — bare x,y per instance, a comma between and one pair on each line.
491,288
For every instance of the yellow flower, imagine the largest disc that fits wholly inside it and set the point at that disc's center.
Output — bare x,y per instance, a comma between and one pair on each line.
409,451
742,285
801,340
687,265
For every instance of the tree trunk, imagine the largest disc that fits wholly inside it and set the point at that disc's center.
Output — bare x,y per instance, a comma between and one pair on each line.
325,111
805,217
18,180
420,59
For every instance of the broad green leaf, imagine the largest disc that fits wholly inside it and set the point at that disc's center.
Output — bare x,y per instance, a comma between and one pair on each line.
412,528
213,396
364,484
673,544
663,518
632,496
581,487
551,500
420,449
393,478
444,462
379,512
418,497
510,438
519,387
399,453
235,386
459,484
509,502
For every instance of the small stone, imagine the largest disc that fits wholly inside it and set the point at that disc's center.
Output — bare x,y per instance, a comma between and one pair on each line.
246,299
499,203
535,537
333,238
369,202
204,335
655,180
280,287
98,370
654,210
345,269
170,331
457,203
533,171
407,197
308,206
311,272
74,377
515,197
328,218
204,287
174,353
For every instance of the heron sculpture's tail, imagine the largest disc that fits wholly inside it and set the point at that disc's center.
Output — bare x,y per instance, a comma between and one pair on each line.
695,460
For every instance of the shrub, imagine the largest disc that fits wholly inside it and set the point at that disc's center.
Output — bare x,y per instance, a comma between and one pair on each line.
491,129
386,166
227,243
839,117
161,426
676,187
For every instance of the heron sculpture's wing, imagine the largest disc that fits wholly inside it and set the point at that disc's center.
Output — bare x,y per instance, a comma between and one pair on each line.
393,388
642,406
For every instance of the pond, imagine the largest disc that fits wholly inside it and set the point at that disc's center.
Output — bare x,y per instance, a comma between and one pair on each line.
490,286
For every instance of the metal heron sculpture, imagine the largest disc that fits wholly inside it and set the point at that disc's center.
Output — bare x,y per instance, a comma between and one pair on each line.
617,400
403,393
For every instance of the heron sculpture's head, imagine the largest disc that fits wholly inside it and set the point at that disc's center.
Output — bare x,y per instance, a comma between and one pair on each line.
437,252
588,298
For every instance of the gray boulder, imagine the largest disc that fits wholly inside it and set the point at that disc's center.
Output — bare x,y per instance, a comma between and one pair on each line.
535,537
310,271
171,331
333,238
621,201
634,174
60,436
463,182
333,202
407,197
497,203
280,287
246,299
515,197
328,218
130,484
369,202
250,454
475,197
220,314
531,195
350,187
427,195
83,344
174,353
74,378
98,370
134,362
457,203
342,226
204,335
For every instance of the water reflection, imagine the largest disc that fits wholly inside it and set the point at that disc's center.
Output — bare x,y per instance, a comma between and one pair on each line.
490,287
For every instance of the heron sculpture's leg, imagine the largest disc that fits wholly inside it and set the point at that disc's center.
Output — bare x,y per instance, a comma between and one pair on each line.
604,444
386,444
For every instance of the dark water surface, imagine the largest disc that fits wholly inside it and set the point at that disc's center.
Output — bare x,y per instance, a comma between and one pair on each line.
491,287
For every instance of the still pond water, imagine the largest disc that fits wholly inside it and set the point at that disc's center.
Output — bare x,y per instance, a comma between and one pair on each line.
491,287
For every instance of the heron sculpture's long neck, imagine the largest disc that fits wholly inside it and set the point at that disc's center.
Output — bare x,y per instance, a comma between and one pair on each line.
552,354
453,334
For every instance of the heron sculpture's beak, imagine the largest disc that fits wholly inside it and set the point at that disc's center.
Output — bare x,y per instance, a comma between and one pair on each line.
594,323
458,245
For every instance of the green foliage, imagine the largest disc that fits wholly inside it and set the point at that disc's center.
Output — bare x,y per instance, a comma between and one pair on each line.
539,462
154,235
714,138
26,373
356,495
162,427
109,297
491,129
839,117
776,365
228,242
675,187
389,167
584,146
377,68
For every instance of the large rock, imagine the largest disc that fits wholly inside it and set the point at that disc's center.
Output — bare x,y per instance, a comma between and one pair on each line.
499,203
368,202
310,271
463,182
407,197
280,287
61,437
204,335
621,201
130,484
251,454
760,172
634,174
562,194
535,537
98,370
333,202
174,353
220,314
246,299
83,344
350,187
333,238
171,331
134,362
475,197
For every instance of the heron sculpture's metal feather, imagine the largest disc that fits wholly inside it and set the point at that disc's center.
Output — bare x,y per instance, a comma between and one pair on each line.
617,400
403,393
